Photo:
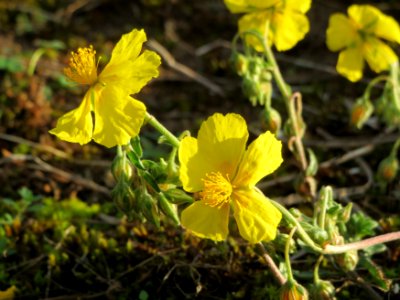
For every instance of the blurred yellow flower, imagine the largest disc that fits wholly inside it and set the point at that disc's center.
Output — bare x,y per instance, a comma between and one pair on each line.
281,22
358,38
117,116
218,168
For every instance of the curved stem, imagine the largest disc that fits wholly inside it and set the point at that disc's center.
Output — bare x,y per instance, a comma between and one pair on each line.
300,231
394,76
161,129
380,239
316,269
271,265
374,82
287,258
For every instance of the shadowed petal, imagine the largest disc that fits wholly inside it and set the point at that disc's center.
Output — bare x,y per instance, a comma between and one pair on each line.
378,55
351,63
340,33
206,221
76,126
257,218
118,117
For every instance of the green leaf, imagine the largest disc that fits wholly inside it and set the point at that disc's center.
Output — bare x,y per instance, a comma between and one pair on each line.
361,225
135,160
376,274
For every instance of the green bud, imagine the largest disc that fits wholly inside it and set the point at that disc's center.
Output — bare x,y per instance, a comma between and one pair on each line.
168,208
157,170
251,89
266,75
345,213
148,207
291,290
121,168
177,196
312,163
387,169
322,290
256,65
361,112
348,260
124,197
271,120
240,63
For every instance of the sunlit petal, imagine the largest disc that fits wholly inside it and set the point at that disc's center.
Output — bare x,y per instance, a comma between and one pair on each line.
388,28
263,156
128,47
118,117
76,126
222,140
206,221
289,28
299,5
257,218
194,165
351,63
365,16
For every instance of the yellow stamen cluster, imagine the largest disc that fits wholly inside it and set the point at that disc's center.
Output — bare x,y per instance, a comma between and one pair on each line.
82,66
217,189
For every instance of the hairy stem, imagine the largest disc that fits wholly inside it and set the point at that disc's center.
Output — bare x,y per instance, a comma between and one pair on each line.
161,129
271,265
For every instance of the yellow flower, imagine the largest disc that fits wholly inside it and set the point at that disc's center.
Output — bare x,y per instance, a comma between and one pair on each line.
218,168
118,116
281,22
358,38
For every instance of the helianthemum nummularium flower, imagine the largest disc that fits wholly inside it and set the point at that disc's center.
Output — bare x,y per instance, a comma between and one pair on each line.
117,116
223,174
358,38
281,22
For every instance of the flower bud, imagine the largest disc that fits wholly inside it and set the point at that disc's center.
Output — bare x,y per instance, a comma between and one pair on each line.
322,290
345,214
177,196
148,206
271,120
291,290
388,169
348,260
360,112
168,208
121,168
240,63
251,89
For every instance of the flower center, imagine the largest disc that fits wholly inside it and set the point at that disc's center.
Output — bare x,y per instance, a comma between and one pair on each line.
217,189
82,66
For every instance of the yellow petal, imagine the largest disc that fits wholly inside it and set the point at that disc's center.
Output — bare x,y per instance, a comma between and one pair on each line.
257,21
118,117
289,28
206,221
263,156
341,32
128,47
257,218
194,165
243,6
299,5
351,63
365,16
9,293
76,126
378,55
131,76
222,139
388,28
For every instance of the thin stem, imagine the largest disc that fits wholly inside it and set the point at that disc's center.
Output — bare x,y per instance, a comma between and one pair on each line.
300,231
326,195
271,265
394,76
161,129
380,239
287,258
372,84
289,102
316,269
